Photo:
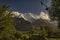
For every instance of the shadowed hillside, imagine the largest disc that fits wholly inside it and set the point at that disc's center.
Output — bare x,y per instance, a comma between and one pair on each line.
22,24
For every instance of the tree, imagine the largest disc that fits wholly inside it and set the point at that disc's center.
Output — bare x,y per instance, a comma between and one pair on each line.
54,10
6,23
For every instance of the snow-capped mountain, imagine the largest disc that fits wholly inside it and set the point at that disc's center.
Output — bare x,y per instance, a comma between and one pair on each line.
36,20
31,17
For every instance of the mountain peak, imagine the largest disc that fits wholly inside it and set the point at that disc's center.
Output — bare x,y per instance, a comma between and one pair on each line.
44,16
30,16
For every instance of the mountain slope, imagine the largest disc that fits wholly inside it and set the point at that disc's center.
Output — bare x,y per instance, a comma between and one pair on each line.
22,24
25,21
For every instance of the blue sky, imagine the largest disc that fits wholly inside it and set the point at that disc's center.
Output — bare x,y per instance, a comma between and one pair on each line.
26,6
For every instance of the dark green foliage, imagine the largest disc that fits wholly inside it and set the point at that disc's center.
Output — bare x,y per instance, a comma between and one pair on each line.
55,10
6,24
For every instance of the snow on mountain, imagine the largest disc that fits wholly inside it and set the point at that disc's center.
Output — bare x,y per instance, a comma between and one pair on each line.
42,19
34,16
15,14
30,16
27,17
44,16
